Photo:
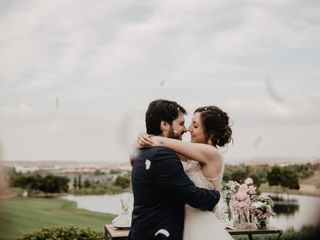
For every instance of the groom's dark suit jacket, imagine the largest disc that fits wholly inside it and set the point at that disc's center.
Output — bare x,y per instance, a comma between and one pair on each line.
160,190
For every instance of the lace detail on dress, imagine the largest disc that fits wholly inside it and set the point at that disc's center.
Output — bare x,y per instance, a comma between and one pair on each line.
193,170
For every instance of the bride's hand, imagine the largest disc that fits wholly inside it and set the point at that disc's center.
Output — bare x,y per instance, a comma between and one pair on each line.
144,140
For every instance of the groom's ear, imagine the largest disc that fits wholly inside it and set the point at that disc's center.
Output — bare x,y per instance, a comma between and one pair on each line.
164,126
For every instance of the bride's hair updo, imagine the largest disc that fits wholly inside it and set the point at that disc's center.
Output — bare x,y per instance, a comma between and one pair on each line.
216,125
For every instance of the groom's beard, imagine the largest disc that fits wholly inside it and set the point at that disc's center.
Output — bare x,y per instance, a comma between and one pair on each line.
173,134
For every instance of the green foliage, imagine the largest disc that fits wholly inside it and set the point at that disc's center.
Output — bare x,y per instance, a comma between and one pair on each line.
289,179
63,233
35,181
236,173
122,181
262,174
86,183
240,172
115,171
316,167
54,184
239,175
79,182
257,178
75,182
286,177
98,172
303,170
274,176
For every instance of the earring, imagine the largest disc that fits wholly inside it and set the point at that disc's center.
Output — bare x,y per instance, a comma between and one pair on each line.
209,142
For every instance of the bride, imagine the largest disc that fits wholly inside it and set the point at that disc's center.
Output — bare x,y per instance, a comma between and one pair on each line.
203,164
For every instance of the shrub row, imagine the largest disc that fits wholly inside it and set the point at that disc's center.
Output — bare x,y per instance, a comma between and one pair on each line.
63,233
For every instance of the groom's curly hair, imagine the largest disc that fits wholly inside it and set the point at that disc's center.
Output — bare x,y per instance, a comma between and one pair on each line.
161,110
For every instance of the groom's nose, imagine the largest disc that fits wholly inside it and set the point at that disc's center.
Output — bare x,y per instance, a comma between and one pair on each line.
184,129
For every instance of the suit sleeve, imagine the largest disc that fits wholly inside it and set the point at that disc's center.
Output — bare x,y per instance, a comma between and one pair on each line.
168,175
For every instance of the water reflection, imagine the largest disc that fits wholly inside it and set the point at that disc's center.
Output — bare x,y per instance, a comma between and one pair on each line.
285,208
285,205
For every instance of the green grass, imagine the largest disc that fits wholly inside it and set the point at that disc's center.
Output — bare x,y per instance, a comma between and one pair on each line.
24,215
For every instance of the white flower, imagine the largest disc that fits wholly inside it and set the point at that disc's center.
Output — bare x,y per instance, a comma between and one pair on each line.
232,186
248,181
257,204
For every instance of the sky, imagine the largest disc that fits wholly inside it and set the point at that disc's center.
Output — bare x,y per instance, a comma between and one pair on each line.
77,76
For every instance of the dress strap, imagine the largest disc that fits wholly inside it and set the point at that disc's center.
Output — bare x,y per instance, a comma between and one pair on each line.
219,177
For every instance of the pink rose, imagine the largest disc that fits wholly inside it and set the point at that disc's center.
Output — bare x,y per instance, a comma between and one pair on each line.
243,188
241,196
252,190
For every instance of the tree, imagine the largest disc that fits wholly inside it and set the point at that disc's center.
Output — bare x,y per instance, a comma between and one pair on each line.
286,177
257,179
239,175
75,184
274,176
122,181
87,183
227,175
98,172
290,179
79,181
54,184
47,184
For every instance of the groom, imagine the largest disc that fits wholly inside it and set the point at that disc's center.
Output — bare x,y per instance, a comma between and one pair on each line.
160,186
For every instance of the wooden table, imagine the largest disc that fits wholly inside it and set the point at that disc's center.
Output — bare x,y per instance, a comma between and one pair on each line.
112,233
254,231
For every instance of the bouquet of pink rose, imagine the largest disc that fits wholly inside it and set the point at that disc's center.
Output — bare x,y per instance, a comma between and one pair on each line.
241,206
247,209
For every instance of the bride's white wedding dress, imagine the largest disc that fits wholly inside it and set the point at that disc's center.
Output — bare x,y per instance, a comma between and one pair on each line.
200,224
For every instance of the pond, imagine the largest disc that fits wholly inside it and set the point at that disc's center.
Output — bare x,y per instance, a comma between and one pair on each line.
293,211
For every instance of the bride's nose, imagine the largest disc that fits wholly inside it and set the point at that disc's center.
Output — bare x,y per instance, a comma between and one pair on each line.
190,128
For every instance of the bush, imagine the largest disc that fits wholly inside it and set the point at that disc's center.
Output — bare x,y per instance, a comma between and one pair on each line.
122,181
63,233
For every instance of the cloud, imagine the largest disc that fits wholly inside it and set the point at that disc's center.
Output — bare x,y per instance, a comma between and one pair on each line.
109,41
106,60
295,110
